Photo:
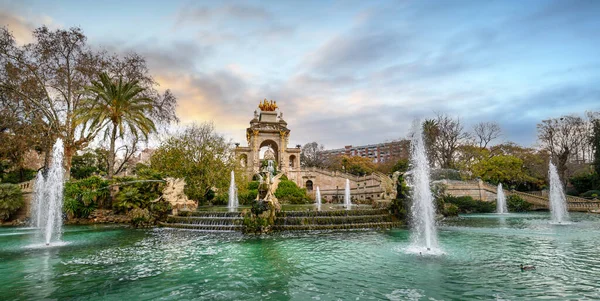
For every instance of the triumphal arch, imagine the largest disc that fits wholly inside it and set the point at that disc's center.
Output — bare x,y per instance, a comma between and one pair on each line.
268,129
269,132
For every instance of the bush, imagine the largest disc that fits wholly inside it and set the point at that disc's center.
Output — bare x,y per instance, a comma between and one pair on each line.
247,197
84,196
467,204
591,194
140,218
253,185
160,210
289,192
11,200
221,199
18,176
516,203
128,198
586,182
451,210
399,205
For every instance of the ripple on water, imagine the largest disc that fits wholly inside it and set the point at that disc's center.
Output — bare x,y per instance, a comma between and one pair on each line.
481,261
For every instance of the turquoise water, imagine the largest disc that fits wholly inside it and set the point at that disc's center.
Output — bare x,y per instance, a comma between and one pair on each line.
481,263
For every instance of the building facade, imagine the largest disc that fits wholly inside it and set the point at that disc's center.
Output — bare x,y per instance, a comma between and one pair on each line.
380,152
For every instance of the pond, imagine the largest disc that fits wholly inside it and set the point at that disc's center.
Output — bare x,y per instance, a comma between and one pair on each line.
481,262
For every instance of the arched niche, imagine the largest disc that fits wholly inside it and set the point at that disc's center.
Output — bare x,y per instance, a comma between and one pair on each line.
309,185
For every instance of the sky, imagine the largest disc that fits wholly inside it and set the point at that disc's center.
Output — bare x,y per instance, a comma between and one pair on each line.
350,72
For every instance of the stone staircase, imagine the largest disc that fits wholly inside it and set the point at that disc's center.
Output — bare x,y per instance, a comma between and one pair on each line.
334,220
541,202
205,221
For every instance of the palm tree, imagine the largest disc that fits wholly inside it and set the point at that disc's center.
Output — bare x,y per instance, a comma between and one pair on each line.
118,107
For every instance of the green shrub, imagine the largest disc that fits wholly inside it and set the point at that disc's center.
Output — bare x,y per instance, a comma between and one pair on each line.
586,182
516,203
289,192
221,199
399,206
140,218
247,197
18,176
160,210
591,194
467,204
84,196
128,198
11,200
451,210
253,185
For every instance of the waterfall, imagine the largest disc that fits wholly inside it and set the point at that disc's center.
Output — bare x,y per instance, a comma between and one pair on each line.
422,210
48,198
233,198
347,200
501,200
318,199
558,200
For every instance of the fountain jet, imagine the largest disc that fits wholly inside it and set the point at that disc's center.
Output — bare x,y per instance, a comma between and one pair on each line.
318,199
424,232
347,200
48,199
558,201
501,207
233,198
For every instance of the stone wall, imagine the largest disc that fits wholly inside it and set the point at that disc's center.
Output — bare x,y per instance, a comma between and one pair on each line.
332,184
474,189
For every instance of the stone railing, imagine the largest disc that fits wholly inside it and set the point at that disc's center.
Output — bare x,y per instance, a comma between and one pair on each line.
541,201
27,187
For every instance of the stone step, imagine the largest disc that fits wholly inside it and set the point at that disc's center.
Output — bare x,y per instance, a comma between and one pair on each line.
385,225
227,228
331,213
333,220
207,218
209,214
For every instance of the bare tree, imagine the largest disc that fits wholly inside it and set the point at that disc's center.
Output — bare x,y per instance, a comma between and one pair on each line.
451,135
561,137
485,132
312,155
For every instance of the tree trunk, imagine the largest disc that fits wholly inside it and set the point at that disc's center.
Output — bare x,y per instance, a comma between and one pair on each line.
111,152
67,160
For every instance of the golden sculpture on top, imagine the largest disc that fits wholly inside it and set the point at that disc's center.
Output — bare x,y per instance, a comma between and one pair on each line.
267,105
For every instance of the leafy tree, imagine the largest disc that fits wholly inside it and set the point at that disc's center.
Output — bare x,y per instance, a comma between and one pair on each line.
199,155
595,141
431,133
502,169
87,164
355,165
402,165
47,79
117,107
311,155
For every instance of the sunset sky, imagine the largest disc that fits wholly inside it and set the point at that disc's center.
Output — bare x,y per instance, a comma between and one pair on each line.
350,72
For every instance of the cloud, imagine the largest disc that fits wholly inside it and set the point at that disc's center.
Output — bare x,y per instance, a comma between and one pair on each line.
352,51
203,14
19,26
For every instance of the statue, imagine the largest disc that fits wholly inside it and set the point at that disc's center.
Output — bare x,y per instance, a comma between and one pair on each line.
173,193
267,106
